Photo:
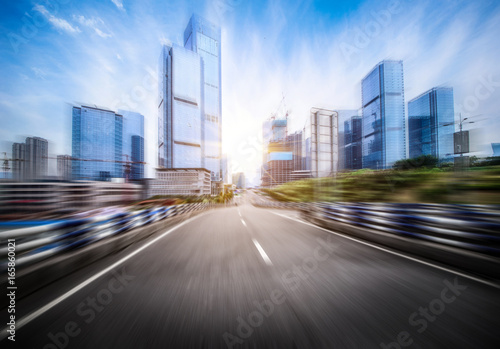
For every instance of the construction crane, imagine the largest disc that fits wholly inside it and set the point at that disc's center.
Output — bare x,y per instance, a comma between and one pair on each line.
5,165
127,164
71,158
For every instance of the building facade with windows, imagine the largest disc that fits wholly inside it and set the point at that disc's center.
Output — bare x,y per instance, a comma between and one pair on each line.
350,140
30,159
18,161
137,158
320,143
64,167
133,144
282,158
97,140
431,118
204,38
384,127
180,182
180,109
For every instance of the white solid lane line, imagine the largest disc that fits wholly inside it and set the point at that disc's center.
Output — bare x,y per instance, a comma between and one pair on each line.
470,277
30,317
262,252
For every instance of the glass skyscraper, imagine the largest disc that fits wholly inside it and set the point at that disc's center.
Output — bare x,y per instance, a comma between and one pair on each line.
97,143
133,143
431,119
384,134
350,140
180,109
137,169
204,38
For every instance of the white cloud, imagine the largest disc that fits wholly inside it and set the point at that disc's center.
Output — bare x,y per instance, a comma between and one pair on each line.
119,4
89,22
93,23
58,23
101,33
39,73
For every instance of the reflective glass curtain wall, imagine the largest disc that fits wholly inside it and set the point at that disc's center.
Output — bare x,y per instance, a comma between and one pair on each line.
204,38
180,137
96,144
384,135
133,126
350,140
430,123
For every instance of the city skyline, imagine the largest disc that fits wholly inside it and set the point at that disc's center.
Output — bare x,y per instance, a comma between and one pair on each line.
333,47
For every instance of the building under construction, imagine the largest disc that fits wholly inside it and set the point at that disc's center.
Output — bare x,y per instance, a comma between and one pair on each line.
282,161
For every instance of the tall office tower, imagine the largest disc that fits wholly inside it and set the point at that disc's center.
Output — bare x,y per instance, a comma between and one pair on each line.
320,142
431,119
180,109
18,161
204,38
384,136
64,167
97,143
294,142
137,156
353,143
350,137
133,144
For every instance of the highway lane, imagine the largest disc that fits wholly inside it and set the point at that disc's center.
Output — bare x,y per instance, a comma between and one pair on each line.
248,277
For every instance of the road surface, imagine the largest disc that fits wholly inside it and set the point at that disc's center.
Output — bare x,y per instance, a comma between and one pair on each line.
247,277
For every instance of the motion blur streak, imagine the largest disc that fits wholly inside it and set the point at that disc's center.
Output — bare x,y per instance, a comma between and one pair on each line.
205,278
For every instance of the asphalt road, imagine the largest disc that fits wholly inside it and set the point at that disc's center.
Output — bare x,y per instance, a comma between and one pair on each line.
247,277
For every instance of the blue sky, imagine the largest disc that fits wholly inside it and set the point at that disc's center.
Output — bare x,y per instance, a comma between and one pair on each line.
315,53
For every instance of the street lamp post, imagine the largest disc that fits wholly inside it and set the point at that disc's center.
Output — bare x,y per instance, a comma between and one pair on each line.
461,122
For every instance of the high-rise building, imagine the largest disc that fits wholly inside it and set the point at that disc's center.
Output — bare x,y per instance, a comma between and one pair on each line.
30,159
137,157
278,164
64,167
180,137
384,135
294,142
37,157
204,38
133,144
431,119
350,140
18,161
320,143
97,139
